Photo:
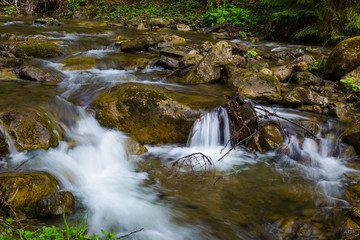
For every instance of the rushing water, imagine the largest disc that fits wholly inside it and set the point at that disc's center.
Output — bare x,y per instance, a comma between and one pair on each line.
246,195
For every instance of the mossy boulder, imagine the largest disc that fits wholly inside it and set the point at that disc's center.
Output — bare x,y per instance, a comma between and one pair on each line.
351,136
37,74
35,194
209,68
78,63
252,85
306,78
301,96
171,38
148,112
36,49
344,58
191,59
353,76
159,22
30,129
282,73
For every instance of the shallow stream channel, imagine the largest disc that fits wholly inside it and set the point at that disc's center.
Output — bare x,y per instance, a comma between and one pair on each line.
298,191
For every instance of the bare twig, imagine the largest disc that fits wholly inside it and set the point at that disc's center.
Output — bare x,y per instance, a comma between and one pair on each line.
127,235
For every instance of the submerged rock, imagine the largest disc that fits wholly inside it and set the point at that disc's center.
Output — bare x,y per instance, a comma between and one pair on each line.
344,58
30,129
148,112
37,74
78,63
252,85
209,68
35,194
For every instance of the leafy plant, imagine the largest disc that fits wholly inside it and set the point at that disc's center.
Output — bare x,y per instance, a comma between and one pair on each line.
230,14
350,85
251,53
315,67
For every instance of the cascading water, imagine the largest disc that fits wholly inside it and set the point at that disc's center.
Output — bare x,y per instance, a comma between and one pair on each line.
210,130
97,170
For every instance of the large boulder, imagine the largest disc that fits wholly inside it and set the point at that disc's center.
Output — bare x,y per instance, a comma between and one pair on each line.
148,112
78,63
252,85
37,74
344,58
268,138
351,136
301,96
27,192
30,129
37,49
209,68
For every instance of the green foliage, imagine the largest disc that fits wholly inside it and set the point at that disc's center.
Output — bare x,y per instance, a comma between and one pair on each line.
76,232
315,67
251,53
316,19
350,84
73,5
8,8
230,14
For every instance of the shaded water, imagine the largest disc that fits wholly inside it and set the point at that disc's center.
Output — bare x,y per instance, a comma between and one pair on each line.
247,196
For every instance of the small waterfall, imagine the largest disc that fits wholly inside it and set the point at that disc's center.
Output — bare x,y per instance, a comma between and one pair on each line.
210,130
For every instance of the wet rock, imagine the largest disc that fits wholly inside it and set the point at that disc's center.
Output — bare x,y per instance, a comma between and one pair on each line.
37,49
137,45
252,85
148,112
301,96
310,108
209,69
10,62
192,58
30,129
159,22
338,109
168,62
91,24
174,39
207,46
4,150
268,138
25,189
344,58
183,27
78,63
307,78
172,52
239,48
55,204
135,63
37,74
327,89
47,21
6,54
165,45
133,147
309,60
7,74
266,71
282,73
347,152
351,136
141,26
310,125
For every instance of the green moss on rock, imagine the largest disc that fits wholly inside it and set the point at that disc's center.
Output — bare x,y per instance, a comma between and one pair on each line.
147,112
37,49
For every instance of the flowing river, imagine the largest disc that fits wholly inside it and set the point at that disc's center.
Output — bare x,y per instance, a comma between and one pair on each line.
245,195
